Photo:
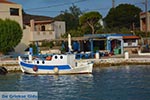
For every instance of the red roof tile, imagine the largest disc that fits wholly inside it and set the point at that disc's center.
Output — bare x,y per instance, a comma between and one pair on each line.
131,37
5,1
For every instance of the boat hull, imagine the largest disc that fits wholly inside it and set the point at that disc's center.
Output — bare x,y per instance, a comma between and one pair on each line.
82,68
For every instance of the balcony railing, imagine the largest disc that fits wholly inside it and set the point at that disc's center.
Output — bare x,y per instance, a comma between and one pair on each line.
42,35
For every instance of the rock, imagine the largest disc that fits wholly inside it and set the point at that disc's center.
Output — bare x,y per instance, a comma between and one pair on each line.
3,70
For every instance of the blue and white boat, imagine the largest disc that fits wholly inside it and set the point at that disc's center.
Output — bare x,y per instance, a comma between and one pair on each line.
56,64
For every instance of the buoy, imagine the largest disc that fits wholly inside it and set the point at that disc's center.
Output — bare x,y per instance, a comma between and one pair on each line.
35,68
56,70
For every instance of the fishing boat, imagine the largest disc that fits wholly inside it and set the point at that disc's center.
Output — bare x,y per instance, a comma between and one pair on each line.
55,64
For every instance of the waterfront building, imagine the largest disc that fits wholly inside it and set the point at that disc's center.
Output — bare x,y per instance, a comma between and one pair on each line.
143,21
38,31
108,43
105,44
114,43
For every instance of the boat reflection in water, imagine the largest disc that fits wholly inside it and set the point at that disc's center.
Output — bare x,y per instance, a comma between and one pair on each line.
54,87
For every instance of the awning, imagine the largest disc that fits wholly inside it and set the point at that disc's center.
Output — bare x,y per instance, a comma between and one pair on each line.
131,37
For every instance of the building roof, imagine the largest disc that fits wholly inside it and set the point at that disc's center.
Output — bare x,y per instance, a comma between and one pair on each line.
144,13
131,37
44,22
36,18
106,35
7,2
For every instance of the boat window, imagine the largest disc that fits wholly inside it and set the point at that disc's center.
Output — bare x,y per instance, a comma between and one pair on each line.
55,57
37,62
43,62
61,57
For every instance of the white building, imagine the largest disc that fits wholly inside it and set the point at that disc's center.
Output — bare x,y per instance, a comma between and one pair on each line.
143,21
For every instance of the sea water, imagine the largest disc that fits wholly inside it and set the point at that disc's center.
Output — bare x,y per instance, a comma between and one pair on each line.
109,83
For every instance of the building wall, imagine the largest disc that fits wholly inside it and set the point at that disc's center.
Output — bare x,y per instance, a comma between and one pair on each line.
42,35
25,41
130,43
131,46
48,31
5,12
59,28
131,50
143,21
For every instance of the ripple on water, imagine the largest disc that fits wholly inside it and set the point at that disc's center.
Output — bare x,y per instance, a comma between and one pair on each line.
113,83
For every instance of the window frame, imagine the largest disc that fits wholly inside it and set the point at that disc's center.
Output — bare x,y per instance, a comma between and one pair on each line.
14,11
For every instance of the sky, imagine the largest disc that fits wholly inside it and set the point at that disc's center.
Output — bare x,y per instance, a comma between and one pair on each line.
53,8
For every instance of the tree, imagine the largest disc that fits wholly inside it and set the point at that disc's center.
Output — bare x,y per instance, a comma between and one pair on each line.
10,35
75,11
124,15
90,19
74,33
71,17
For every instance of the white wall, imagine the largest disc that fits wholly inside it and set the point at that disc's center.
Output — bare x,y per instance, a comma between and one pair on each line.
42,35
25,41
126,44
59,28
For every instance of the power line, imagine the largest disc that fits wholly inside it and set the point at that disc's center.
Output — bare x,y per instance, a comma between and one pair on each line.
96,9
44,11
62,4
61,10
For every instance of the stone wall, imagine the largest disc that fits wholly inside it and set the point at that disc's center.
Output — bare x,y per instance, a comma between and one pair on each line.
131,50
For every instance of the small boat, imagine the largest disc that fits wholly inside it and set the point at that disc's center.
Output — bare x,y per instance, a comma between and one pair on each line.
3,70
56,64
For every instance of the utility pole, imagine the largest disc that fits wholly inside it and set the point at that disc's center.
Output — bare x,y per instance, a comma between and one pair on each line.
146,17
146,21
113,3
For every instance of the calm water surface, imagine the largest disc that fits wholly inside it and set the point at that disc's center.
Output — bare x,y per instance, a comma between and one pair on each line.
113,83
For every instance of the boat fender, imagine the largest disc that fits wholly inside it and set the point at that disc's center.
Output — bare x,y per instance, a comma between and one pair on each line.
35,68
56,70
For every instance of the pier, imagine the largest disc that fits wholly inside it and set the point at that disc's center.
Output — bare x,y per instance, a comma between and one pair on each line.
10,65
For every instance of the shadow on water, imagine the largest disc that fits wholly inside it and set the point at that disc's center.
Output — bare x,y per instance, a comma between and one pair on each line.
109,83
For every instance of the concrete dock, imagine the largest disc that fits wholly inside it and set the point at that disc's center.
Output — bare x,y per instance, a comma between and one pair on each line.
10,65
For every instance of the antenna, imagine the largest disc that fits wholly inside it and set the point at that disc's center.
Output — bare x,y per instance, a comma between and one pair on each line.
113,3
